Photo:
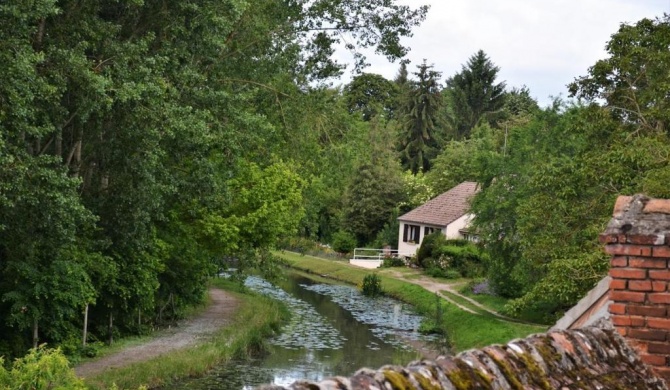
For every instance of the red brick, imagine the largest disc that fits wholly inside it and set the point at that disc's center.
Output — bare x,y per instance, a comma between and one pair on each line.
639,346
619,261
653,360
628,273
659,286
630,250
645,239
639,285
660,348
647,334
618,284
622,331
621,204
649,311
661,251
607,238
617,308
659,275
642,262
656,206
658,323
634,321
659,298
627,296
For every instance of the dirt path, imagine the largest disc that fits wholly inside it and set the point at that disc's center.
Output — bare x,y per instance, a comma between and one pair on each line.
435,287
218,314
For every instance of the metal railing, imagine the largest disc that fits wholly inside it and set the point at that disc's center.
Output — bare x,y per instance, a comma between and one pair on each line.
376,254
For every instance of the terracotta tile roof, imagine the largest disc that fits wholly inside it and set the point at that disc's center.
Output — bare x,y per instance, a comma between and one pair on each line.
443,209
589,358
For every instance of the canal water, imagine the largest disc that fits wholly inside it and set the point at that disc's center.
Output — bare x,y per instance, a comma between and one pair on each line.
333,330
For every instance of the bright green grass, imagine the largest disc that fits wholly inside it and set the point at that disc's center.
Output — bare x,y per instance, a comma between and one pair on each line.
463,302
495,303
465,330
256,318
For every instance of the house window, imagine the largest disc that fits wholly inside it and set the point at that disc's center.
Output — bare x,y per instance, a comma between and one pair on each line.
411,234
428,230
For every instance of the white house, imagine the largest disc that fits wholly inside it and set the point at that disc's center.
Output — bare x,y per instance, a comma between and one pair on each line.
447,212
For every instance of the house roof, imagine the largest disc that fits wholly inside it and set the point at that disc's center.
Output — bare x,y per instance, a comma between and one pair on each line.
589,358
445,208
589,310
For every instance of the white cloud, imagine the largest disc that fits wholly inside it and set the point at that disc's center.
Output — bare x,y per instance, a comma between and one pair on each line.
542,44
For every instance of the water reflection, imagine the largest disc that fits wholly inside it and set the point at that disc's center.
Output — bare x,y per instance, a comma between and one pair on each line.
333,330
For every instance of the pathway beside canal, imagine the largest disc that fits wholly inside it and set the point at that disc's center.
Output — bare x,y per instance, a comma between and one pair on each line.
221,309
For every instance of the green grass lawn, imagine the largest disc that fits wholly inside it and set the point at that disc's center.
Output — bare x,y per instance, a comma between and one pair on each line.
465,330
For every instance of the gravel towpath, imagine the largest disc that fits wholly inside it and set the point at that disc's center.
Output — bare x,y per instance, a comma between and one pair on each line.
189,333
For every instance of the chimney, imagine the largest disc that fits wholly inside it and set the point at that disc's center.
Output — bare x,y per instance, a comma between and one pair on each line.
638,238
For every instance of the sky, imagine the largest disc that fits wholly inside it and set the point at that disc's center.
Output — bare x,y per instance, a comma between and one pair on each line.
543,45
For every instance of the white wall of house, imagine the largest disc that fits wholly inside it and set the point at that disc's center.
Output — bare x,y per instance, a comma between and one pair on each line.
454,227
409,248
452,232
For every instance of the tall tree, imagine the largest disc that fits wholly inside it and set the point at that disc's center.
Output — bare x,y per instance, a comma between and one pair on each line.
633,81
371,94
473,95
420,139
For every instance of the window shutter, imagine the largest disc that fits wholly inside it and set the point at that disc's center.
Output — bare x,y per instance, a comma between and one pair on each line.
404,235
417,232
425,231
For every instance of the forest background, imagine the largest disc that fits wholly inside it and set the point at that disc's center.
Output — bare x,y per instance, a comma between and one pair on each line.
146,144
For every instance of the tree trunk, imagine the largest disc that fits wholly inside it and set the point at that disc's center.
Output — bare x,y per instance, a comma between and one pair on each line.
111,329
173,310
35,333
59,145
83,337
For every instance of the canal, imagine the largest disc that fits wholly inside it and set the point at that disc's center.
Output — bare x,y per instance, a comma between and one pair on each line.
333,330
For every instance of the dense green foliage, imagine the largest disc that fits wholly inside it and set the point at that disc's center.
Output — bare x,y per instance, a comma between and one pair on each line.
145,144
474,95
41,368
450,259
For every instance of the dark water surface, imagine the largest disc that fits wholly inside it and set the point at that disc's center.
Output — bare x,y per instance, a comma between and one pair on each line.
333,330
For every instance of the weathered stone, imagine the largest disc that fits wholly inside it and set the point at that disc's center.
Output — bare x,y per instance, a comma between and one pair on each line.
589,358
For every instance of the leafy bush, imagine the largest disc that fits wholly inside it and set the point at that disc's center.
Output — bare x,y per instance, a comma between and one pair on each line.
393,262
343,241
459,256
41,368
480,286
443,273
372,285
300,245
428,246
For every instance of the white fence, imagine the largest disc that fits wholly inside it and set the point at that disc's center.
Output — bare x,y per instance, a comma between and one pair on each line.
373,257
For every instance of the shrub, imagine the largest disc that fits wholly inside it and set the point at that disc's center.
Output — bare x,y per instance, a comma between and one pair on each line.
443,273
462,256
300,245
41,368
479,286
428,246
372,285
343,241
393,262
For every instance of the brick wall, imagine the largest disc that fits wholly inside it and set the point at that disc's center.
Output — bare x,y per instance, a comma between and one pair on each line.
638,239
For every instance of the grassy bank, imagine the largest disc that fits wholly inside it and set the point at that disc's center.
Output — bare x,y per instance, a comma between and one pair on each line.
256,318
465,330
